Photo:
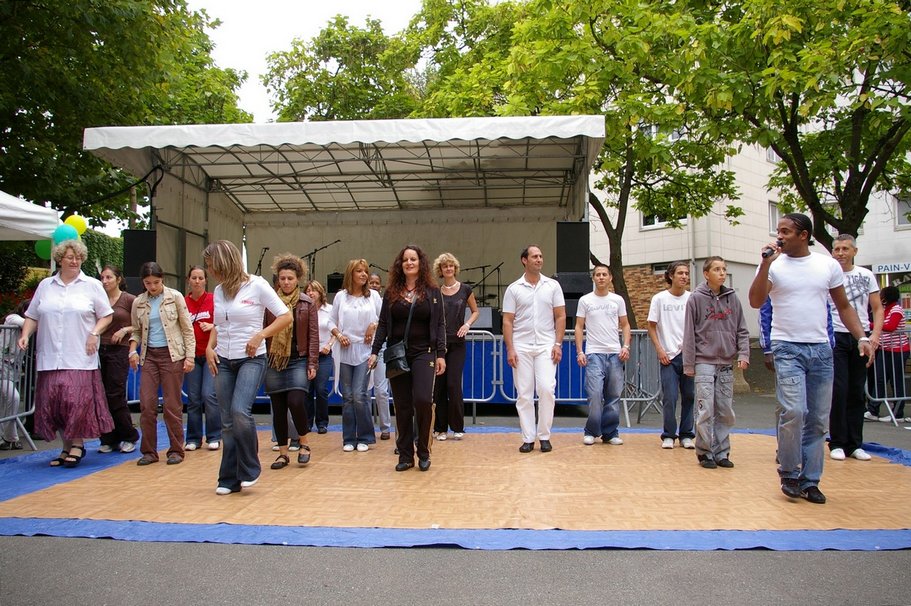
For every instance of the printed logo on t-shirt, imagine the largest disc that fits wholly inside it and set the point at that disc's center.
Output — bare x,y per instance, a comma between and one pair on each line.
247,302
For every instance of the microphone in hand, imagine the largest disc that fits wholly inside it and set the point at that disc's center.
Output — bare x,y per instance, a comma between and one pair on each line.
768,251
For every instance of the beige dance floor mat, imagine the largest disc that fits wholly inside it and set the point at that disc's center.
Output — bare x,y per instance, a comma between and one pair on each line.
483,483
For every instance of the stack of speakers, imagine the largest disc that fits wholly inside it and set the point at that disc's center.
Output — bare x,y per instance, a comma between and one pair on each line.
138,247
573,264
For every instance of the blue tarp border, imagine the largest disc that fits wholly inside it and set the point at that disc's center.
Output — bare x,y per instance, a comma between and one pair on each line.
498,539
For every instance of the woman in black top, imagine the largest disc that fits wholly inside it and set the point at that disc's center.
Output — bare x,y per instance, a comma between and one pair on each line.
410,282
450,406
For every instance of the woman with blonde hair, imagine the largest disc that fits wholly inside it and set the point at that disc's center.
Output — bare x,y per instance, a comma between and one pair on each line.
318,397
457,296
69,311
163,333
413,313
355,312
236,356
293,358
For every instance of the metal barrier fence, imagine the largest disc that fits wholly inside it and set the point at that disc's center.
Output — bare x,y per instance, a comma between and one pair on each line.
887,381
487,378
17,381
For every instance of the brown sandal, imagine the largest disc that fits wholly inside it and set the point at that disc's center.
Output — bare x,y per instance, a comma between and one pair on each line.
281,462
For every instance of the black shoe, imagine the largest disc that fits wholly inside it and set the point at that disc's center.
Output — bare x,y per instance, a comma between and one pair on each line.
813,495
706,462
546,446
790,487
405,465
527,447
322,430
726,463
303,456
423,464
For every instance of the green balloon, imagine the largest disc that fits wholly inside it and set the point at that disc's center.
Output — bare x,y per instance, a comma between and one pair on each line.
43,249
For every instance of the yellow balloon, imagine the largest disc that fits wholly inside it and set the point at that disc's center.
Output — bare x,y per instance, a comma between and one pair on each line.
77,222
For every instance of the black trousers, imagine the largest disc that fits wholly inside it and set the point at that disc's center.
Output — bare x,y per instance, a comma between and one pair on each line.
283,401
450,405
413,394
846,419
115,365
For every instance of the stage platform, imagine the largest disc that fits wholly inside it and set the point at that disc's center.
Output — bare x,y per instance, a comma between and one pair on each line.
480,493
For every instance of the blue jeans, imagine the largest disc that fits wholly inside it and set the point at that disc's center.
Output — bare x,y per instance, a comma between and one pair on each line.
674,382
200,387
604,378
357,423
236,385
804,373
318,397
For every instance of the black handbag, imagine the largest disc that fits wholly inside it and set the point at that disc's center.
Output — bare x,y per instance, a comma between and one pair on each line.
394,355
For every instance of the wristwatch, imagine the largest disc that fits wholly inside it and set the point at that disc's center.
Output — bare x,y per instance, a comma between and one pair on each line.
93,333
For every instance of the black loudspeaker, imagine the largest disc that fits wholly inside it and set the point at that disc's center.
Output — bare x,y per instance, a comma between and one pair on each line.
575,283
334,282
572,246
138,248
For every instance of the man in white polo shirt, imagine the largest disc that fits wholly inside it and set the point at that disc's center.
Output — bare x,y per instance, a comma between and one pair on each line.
534,320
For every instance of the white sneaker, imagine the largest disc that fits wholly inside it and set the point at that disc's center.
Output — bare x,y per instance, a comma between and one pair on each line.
213,445
105,448
588,440
275,448
248,483
615,441
886,419
222,490
190,446
457,435
861,455
688,443
362,447
441,436
837,454
667,443
127,447
348,448
870,416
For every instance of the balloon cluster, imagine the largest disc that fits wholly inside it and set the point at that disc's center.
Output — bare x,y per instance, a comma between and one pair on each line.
71,229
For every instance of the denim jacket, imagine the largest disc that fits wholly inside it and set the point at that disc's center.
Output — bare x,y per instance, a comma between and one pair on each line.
175,320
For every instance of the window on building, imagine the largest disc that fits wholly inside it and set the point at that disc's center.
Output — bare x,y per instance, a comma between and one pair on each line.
657,221
774,216
772,156
659,268
903,212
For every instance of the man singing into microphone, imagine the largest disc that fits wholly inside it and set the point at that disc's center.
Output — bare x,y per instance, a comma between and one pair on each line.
798,283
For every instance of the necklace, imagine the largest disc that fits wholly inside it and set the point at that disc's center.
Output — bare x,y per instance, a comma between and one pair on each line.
451,286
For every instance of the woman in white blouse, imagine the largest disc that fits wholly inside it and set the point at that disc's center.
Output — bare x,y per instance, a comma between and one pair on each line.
69,310
318,398
355,311
236,356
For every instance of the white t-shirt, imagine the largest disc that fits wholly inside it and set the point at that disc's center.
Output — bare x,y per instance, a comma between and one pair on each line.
859,283
240,318
800,296
325,324
669,314
602,322
533,306
66,314
352,315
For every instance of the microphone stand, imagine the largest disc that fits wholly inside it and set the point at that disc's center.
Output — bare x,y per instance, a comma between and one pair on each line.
382,269
311,256
259,265
483,280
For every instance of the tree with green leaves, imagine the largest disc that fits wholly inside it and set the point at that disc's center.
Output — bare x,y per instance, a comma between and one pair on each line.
343,73
824,83
551,58
71,64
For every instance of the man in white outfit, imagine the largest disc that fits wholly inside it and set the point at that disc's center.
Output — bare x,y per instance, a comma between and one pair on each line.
534,320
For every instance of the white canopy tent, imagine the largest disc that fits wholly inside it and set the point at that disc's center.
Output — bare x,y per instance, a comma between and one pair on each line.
21,220
482,184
